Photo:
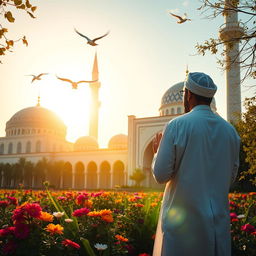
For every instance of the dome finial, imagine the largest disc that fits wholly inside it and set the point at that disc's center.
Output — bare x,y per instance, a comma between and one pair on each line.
38,101
187,71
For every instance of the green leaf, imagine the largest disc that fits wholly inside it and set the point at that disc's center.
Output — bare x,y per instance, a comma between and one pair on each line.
87,247
9,17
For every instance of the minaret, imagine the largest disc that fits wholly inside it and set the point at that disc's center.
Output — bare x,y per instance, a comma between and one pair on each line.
228,32
95,103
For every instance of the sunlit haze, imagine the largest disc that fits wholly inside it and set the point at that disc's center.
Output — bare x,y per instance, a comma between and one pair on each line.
145,53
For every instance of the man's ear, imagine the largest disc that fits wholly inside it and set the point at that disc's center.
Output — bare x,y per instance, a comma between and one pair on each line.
190,95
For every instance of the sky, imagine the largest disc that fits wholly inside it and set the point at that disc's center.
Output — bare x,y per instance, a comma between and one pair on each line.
145,53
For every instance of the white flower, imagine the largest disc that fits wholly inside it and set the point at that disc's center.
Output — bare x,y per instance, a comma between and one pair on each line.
58,214
240,216
68,220
100,247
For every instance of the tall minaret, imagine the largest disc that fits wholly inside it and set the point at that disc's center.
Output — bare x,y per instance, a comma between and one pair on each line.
228,32
95,103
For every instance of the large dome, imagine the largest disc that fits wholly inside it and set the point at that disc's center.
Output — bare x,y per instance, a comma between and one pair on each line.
172,100
119,141
35,120
173,94
86,143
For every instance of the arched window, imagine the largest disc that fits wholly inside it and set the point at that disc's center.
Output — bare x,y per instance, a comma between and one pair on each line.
118,172
105,175
2,149
18,131
91,175
172,111
178,110
38,146
79,175
10,146
28,147
166,112
19,148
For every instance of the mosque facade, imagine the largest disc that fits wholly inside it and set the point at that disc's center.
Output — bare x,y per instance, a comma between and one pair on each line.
38,135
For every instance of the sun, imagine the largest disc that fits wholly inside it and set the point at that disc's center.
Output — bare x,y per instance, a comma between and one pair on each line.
71,105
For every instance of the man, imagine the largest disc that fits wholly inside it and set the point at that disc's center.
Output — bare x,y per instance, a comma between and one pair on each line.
198,159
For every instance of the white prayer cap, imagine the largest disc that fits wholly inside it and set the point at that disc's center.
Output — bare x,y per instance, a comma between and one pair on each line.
200,84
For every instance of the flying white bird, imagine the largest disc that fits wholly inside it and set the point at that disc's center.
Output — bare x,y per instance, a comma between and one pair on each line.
91,41
181,19
38,77
74,84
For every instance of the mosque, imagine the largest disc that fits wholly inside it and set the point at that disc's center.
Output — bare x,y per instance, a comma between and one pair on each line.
37,133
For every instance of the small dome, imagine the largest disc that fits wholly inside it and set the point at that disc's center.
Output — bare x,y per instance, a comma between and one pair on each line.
35,118
119,141
173,94
86,143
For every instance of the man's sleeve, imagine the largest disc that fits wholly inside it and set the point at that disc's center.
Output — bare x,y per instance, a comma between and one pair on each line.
164,160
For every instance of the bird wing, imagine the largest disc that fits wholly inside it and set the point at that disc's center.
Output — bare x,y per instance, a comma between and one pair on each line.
177,16
42,74
65,79
97,38
83,35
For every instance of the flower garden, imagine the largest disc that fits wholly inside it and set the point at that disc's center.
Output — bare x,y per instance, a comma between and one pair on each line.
100,223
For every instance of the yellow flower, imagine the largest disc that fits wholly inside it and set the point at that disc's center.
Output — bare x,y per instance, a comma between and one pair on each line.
45,216
54,229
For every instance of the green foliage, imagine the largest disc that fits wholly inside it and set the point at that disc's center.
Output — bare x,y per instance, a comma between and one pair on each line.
6,10
247,130
138,176
247,53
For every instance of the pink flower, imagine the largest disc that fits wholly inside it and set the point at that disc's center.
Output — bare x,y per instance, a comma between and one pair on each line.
248,228
4,204
233,215
21,230
80,212
144,254
81,199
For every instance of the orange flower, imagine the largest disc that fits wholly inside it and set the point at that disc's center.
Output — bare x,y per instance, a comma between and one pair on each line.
88,204
45,216
108,218
105,212
94,214
139,205
54,229
121,238
153,204
118,201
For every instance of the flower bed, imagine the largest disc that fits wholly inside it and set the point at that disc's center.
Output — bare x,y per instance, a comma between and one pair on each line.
99,223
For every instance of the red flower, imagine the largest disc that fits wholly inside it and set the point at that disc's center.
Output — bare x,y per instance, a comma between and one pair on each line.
80,212
34,210
69,243
6,231
21,230
18,215
13,200
248,228
4,204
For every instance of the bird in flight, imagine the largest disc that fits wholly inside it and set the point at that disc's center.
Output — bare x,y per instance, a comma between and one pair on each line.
91,41
180,19
38,77
75,84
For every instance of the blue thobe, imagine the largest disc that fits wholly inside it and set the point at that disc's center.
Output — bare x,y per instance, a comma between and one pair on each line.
198,159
